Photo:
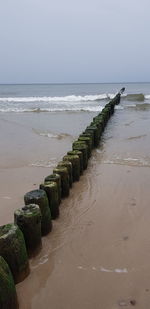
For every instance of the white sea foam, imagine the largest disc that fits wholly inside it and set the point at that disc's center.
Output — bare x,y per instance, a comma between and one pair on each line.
52,109
70,98
140,162
42,163
88,103
119,107
117,270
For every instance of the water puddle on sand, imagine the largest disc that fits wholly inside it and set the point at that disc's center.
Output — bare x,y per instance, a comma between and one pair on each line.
136,137
102,269
140,162
127,303
44,163
6,197
51,134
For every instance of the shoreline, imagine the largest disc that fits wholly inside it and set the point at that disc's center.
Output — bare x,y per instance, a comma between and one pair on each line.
95,242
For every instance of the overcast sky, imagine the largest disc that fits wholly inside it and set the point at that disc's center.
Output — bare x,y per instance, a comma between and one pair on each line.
59,41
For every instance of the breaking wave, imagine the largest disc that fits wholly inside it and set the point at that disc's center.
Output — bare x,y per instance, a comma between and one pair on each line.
70,103
70,98
135,97
140,162
75,98
53,109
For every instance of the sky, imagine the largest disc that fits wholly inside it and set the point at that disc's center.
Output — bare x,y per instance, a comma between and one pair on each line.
74,41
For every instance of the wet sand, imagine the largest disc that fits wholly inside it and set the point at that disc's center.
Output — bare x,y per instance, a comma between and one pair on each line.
97,255
31,146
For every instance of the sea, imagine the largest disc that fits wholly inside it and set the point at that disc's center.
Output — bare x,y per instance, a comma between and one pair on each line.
50,116
68,97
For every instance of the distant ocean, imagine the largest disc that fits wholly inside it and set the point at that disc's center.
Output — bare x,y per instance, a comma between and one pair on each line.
69,97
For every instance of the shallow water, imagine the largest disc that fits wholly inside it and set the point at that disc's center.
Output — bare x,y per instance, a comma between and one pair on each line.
97,255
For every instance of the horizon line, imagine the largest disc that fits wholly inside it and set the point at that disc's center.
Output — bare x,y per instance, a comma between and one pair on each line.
75,83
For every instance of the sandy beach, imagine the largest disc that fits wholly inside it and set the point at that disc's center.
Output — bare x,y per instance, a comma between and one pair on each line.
97,255
64,66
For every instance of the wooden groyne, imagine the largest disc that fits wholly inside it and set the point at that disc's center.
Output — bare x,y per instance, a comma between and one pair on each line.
23,238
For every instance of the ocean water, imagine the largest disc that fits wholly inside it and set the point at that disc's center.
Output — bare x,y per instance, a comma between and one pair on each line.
69,97
35,117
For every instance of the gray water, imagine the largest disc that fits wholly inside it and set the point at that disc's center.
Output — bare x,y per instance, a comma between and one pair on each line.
67,97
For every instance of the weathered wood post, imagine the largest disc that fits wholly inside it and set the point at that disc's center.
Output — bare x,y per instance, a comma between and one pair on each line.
51,190
75,160
39,197
81,146
65,187
68,165
13,250
8,296
78,153
88,142
28,218
96,133
55,178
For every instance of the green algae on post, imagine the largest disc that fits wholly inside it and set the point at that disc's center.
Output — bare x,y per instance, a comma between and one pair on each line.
8,296
28,218
63,172
80,154
88,141
96,133
13,250
75,160
89,134
82,147
67,164
51,190
100,119
39,197
55,178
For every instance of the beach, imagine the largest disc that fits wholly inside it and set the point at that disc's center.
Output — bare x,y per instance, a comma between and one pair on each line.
97,255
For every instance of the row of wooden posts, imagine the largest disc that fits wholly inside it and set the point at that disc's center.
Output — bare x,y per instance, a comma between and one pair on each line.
22,239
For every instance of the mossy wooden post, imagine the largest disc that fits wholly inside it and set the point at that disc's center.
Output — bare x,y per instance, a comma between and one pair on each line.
111,107
28,218
89,134
81,143
8,296
82,147
39,197
117,98
51,190
96,134
56,178
100,120
88,142
67,164
105,114
63,172
80,154
75,160
100,123
99,127
103,118
13,250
